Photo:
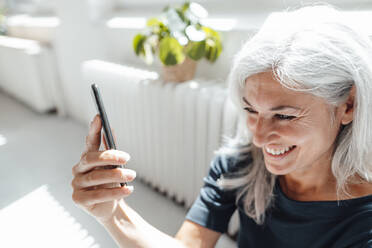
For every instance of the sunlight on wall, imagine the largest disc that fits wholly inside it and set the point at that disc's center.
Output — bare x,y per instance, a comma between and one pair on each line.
38,220
116,68
19,43
220,24
3,140
127,22
32,21
358,19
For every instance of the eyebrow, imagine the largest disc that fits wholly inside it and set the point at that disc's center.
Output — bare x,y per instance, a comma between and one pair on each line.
281,107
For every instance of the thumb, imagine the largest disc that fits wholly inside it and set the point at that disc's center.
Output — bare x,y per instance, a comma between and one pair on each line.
93,140
105,142
113,134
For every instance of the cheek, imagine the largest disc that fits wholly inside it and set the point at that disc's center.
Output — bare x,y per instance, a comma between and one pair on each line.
298,132
293,133
312,138
284,129
250,120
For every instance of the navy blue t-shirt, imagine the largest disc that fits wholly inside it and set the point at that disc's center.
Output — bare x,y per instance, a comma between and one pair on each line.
289,223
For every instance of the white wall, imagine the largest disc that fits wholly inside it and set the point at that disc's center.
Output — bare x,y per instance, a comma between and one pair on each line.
83,34
249,4
248,15
77,40
29,6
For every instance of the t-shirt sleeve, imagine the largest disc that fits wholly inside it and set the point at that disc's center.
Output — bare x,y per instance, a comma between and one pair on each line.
214,206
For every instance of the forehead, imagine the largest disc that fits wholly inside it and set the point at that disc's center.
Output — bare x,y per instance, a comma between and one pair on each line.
263,90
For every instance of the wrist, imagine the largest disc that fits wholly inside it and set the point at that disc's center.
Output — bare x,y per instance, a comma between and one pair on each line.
118,215
121,228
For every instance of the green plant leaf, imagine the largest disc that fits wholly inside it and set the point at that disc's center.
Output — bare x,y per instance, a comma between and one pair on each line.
197,10
170,51
210,33
138,42
166,8
178,33
195,34
148,55
153,40
175,22
181,38
153,22
213,50
196,50
181,15
185,6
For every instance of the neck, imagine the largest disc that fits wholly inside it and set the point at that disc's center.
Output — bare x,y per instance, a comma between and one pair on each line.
309,185
321,188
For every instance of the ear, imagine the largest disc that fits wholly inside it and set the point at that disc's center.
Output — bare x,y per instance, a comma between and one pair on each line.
348,108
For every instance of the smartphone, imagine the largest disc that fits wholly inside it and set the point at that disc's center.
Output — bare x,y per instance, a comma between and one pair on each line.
105,123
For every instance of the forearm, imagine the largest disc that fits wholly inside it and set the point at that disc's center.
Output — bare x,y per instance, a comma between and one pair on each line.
129,229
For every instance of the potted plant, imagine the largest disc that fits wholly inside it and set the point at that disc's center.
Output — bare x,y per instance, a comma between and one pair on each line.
179,39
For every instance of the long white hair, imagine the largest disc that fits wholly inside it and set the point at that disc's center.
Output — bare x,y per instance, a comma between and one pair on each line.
313,50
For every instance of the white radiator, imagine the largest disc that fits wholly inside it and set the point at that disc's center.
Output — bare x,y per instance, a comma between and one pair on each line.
28,72
170,129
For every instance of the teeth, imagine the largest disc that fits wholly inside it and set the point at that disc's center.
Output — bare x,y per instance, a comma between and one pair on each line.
278,152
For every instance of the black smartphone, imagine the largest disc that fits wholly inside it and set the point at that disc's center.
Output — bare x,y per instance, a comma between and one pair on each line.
105,123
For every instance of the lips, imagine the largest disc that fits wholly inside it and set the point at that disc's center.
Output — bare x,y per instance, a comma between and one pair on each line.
275,151
281,156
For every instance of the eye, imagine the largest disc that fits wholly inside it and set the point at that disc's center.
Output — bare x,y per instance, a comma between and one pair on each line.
285,117
278,116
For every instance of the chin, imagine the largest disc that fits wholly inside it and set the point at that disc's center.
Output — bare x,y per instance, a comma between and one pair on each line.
277,169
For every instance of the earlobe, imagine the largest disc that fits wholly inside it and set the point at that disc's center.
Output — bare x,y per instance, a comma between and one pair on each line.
346,121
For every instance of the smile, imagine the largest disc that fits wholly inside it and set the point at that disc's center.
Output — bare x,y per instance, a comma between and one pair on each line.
279,154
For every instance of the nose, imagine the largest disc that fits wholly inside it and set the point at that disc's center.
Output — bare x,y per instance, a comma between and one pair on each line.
261,129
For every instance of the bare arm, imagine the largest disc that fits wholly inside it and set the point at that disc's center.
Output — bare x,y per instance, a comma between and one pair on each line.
129,230
96,190
195,235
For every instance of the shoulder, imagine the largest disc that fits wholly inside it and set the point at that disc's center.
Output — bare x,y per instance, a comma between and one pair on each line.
357,224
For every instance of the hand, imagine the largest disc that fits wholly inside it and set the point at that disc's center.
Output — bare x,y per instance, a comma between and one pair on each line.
96,186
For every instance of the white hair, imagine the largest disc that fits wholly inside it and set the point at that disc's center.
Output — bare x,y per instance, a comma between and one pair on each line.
313,50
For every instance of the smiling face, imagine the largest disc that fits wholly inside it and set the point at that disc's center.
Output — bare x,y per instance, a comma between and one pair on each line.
305,124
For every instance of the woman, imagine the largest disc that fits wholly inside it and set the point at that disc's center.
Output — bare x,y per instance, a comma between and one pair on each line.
300,174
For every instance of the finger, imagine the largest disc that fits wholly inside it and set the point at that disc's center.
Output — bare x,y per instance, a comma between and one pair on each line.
87,198
108,178
93,140
102,186
90,160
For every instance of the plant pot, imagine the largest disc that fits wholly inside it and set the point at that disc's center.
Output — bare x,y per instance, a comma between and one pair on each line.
180,73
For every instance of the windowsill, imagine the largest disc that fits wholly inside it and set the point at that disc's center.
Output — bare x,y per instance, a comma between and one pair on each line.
31,21
136,19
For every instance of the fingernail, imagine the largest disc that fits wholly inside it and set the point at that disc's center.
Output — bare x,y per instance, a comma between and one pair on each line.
131,173
124,157
130,188
91,123
127,156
